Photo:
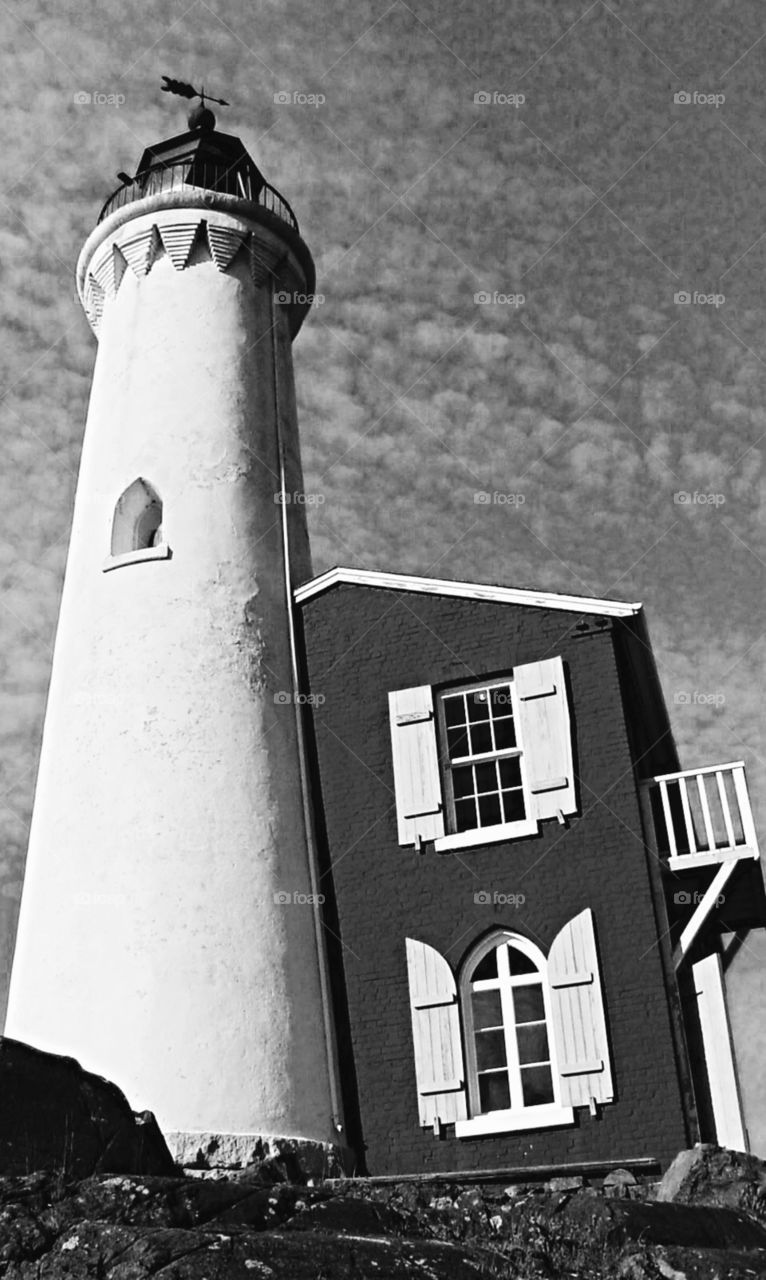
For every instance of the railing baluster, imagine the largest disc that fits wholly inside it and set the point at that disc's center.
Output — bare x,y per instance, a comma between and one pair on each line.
705,849
688,823
709,832
668,819
722,796
745,812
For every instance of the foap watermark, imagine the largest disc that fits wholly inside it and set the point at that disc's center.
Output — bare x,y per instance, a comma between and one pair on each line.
284,898
497,899
89,899
97,99
499,698
698,698
683,298
683,498
685,898
287,299
283,697
695,98
496,98
297,98
298,499
485,498
485,298
101,699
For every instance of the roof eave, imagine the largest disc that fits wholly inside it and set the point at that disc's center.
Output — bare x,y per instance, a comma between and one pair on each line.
467,590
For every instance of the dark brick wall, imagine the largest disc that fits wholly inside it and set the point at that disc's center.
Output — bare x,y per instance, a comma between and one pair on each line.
360,643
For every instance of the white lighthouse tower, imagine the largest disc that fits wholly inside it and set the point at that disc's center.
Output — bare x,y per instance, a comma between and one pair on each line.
168,936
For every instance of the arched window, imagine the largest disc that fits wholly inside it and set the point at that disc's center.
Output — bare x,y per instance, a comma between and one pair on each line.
137,521
507,1018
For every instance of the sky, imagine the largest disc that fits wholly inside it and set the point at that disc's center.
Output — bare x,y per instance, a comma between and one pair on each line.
542,275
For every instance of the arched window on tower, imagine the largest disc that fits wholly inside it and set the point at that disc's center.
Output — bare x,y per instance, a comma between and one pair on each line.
137,526
137,519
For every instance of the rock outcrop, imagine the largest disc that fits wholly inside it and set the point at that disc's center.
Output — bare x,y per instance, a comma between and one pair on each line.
89,1189
55,1116
214,1228
710,1175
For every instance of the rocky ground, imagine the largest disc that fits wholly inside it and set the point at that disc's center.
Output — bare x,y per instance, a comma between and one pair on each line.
112,1205
132,1227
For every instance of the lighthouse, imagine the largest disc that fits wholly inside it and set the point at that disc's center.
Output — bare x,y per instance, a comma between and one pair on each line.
170,935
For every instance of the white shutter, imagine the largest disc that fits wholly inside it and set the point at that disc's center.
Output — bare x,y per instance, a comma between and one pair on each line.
436,1036
579,1023
545,734
417,781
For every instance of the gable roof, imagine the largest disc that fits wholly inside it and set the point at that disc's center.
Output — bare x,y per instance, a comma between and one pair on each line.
468,590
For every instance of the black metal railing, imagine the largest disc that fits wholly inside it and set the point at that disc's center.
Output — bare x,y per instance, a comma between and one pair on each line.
229,180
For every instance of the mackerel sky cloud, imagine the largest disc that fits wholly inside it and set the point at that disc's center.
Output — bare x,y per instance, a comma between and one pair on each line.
540,247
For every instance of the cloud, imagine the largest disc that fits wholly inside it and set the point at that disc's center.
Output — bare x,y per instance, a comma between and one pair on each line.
493,197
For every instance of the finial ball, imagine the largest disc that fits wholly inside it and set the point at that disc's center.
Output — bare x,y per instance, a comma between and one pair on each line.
201,119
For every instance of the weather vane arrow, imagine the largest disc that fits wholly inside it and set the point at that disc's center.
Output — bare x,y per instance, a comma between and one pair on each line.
188,91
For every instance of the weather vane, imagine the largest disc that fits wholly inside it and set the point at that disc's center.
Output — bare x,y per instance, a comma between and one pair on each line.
188,91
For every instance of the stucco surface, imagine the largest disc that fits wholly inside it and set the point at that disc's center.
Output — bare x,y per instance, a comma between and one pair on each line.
152,944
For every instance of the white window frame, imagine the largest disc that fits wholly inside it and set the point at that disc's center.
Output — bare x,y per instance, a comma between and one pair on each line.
502,830
130,511
518,1116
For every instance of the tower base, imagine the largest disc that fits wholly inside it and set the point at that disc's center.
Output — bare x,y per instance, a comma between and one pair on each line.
301,1160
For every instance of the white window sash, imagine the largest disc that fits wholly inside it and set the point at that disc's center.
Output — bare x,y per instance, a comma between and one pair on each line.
518,1116
509,1026
485,756
527,826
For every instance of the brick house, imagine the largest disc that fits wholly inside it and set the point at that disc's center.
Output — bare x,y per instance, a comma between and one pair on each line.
524,893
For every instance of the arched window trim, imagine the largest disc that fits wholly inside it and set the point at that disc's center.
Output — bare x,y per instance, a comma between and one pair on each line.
519,1117
133,535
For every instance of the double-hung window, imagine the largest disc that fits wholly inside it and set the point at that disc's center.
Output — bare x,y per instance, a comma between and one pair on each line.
482,762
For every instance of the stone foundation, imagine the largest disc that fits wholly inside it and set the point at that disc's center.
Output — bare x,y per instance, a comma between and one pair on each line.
300,1160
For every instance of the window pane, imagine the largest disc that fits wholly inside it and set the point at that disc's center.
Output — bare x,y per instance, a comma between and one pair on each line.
486,968
519,963
510,772
481,739
528,1004
536,1086
478,706
513,806
454,710
457,741
489,811
465,815
487,1009
505,735
533,1043
462,780
490,1050
494,1093
486,777
500,698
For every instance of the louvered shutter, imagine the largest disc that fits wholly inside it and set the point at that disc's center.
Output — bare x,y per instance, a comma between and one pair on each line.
545,733
417,781
436,1036
579,1022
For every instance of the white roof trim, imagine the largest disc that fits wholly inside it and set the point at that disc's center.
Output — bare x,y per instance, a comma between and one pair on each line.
469,590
